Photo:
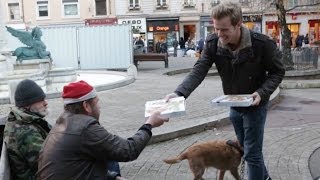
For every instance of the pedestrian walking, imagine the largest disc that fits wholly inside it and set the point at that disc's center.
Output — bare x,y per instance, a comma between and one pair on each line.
248,63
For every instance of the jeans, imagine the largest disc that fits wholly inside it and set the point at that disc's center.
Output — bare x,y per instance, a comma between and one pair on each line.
249,128
114,167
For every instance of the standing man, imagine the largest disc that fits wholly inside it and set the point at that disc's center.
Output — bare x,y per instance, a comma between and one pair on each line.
175,44
78,147
182,45
248,63
200,45
26,129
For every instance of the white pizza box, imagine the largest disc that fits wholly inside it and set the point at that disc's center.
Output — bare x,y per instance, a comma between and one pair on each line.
241,100
174,107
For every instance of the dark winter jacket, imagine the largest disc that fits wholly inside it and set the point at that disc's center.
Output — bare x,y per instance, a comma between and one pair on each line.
256,67
78,147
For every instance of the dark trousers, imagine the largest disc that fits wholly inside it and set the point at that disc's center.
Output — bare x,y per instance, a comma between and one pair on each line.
249,128
113,166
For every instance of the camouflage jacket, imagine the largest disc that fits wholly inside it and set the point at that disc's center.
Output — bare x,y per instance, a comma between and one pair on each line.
24,134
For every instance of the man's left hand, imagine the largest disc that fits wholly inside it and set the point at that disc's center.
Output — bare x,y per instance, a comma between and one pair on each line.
256,99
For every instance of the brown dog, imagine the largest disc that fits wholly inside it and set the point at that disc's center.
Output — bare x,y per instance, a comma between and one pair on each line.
221,155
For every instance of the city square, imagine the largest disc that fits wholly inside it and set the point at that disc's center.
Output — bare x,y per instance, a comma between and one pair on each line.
130,52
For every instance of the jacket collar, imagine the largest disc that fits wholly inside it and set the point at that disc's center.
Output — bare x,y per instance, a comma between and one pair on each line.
22,115
243,53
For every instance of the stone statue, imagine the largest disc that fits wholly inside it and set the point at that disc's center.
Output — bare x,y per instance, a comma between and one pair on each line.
36,48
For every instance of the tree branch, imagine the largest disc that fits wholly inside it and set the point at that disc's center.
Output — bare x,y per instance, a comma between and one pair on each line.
303,5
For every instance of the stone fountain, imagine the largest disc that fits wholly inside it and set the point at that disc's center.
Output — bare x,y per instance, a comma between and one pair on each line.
50,79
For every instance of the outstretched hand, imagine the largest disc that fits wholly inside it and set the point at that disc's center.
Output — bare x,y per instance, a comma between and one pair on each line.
170,96
256,99
156,120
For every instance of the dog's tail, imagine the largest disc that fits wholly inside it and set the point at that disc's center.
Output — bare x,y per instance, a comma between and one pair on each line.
176,159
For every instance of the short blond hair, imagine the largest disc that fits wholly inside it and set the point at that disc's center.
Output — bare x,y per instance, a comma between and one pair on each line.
228,9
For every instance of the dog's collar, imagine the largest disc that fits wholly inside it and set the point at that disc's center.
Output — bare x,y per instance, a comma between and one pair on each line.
236,145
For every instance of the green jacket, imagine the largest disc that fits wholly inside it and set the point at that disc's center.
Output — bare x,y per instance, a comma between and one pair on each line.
24,134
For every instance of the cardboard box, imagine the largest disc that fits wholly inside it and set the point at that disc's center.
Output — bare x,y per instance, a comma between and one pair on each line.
243,100
174,107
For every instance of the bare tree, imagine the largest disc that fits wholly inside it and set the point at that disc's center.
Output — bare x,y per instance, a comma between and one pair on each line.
281,12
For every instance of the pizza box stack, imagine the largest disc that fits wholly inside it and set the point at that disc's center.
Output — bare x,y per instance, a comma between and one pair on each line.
174,107
243,100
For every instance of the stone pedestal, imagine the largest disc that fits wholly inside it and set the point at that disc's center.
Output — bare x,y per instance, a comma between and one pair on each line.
42,64
59,77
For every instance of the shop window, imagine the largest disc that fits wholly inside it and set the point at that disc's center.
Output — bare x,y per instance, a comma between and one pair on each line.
134,5
70,8
14,11
292,3
215,2
42,9
101,7
189,4
162,4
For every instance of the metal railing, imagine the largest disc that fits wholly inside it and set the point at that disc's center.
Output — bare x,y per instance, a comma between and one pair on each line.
305,58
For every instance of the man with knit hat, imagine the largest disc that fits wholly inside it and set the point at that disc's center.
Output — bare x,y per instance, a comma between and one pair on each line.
26,129
78,147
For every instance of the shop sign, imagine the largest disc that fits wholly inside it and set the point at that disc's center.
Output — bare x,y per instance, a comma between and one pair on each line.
137,23
162,26
103,21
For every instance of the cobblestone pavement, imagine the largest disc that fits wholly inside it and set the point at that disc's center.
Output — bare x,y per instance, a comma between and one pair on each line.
292,134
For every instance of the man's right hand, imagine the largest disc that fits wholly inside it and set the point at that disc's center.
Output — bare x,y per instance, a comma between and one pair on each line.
156,120
169,96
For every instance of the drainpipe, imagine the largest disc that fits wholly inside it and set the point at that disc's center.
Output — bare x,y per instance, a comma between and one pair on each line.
22,10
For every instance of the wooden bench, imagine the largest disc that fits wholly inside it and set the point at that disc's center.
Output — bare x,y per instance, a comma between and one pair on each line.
151,57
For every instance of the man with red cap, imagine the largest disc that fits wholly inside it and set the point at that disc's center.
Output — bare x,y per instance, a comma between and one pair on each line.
78,147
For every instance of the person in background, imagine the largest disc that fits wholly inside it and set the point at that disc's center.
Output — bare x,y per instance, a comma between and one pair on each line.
175,44
78,147
190,45
182,44
200,45
158,44
26,129
248,63
140,44
306,39
163,46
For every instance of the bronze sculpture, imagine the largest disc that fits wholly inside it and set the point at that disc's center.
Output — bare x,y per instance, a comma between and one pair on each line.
36,48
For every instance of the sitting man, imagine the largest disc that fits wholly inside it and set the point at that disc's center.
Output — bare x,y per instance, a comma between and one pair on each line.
26,129
78,147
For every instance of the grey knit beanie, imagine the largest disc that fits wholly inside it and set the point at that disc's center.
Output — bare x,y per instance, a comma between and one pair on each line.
27,93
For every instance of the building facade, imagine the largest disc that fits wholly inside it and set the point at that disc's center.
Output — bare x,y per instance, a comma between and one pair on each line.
157,20
23,14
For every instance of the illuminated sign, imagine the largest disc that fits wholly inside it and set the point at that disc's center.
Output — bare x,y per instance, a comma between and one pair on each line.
163,26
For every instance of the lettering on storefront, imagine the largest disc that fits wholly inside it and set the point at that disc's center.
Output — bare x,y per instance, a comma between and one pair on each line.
137,24
103,21
162,28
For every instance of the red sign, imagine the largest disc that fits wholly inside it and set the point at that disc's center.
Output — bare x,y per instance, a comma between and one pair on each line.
104,21
294,16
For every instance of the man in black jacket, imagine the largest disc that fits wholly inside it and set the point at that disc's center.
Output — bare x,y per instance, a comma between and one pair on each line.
248,63
78,147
